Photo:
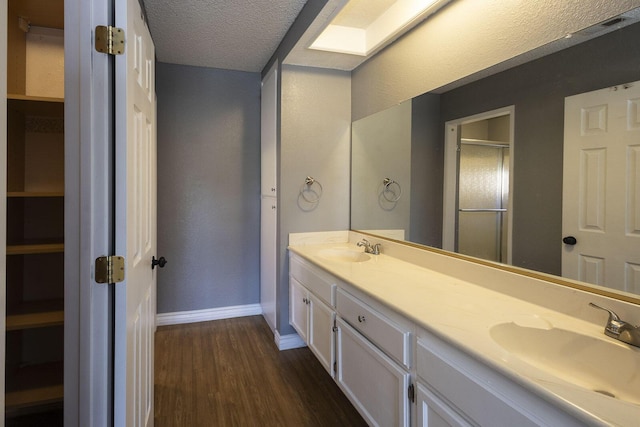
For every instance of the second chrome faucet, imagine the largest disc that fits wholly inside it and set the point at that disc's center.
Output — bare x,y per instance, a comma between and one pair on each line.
369,248
619,329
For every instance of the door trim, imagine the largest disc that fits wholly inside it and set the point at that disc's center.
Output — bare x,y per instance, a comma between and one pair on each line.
87,368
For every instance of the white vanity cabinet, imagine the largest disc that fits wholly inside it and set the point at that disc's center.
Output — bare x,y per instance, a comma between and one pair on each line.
298,308
311,301
412,348
373,361
431,411
453,389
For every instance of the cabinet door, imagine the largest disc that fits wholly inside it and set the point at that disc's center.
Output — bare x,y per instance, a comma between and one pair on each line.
268,249
298,309
268,136
374,383
433,412
321,338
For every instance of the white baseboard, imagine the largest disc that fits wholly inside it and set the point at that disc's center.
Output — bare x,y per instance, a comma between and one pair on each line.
287,342
194,316
283,342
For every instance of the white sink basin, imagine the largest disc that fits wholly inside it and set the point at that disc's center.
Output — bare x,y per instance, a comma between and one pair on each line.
343,255
600,365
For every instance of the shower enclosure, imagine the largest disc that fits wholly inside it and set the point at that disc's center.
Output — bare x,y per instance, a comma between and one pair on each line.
478,179
483,198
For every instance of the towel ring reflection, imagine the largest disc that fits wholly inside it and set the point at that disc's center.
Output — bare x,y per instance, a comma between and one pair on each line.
307,187
388,189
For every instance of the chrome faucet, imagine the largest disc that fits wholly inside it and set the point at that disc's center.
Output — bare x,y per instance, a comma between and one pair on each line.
368,248
619,329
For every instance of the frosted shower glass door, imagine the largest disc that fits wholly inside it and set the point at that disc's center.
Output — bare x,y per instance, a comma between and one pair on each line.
482,200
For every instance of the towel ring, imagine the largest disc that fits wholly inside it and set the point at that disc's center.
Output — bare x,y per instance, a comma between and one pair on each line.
386,190
307,188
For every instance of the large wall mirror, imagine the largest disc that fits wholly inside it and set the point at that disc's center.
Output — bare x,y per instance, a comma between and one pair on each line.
399,167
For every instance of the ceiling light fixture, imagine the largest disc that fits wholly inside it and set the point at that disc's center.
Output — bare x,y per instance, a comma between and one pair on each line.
349,33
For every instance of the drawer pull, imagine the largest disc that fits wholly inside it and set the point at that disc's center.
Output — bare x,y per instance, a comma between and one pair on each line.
361,318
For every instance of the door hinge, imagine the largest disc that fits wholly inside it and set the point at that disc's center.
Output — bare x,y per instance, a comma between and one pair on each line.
109,269
335,367
411,392
109,40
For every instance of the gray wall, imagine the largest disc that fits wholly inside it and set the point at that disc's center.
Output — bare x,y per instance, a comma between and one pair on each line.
315,134
208,187
427,170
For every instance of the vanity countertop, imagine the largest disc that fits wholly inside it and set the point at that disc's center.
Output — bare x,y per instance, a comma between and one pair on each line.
463,314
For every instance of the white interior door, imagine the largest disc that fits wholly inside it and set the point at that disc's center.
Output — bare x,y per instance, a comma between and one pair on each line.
135,215
601,189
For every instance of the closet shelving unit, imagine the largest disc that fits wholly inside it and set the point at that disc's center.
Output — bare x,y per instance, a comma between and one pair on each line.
35,218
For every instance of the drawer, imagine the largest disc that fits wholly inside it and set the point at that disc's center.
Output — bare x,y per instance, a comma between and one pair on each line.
390,337
320,283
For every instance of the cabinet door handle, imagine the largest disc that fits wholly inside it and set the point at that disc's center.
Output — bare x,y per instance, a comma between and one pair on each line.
361,318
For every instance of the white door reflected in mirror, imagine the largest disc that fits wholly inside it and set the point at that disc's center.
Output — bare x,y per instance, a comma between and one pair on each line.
601,188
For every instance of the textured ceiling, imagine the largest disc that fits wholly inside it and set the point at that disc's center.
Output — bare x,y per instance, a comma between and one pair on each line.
229,34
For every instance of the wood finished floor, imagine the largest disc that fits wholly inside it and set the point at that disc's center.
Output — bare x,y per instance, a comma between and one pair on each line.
230,373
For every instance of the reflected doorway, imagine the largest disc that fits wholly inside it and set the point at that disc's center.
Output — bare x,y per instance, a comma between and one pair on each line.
478,162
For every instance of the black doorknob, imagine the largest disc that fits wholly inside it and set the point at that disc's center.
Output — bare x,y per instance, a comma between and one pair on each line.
160,262
569,240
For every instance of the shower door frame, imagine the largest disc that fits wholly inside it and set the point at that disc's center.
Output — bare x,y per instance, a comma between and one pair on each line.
451,164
